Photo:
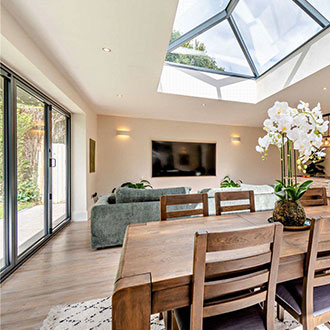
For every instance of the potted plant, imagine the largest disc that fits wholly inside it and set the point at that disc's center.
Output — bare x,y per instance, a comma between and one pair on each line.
297,132
227,182
143,184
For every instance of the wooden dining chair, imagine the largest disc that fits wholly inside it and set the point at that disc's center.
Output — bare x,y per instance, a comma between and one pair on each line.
314,197
182,199
308,299
234,272
168,200
234,196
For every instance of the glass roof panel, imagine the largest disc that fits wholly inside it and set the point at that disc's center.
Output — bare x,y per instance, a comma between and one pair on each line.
215,49
191,13
272,29
323,6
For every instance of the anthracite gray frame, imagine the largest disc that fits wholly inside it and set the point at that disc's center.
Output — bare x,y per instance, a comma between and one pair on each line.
11,82
227,14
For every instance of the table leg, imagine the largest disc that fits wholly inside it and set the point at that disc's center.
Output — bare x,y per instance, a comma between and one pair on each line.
131,303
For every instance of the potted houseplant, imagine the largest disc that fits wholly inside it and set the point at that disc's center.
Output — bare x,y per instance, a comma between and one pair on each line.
143,184
227,182
297,132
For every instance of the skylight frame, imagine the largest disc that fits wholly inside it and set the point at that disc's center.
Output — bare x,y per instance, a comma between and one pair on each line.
312,12
226,14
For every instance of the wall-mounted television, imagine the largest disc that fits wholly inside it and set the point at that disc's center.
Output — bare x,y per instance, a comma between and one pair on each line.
183,159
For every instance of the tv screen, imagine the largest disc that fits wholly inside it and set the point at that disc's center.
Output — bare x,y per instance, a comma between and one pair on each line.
182,159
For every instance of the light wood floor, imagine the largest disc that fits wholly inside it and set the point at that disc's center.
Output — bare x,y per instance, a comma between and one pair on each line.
64,271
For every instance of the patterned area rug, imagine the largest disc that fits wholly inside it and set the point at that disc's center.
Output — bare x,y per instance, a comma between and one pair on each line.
96,314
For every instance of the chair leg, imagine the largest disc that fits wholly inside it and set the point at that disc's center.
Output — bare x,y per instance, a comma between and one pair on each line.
308,324
280,312
168,320
174,324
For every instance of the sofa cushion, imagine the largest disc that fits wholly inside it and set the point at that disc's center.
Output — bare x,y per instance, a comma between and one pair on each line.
257,189
211,191
130,195
264,197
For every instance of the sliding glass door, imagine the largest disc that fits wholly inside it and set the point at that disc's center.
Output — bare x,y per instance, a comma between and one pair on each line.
30,124
34,169
2,178
59,176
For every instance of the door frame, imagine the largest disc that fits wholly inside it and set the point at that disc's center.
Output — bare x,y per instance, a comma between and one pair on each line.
11,81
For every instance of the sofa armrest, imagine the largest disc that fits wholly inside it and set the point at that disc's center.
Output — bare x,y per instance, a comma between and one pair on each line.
109,221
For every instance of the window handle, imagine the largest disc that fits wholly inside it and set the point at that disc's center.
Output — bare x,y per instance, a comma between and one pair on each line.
52,162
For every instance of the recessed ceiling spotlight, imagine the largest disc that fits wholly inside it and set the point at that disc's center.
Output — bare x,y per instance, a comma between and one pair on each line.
203,105
106,49
324,88
120,95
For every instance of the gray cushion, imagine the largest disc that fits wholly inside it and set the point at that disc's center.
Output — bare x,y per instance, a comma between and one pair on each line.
211,191
130,195
247,319
109,221
257,189
291,294
264,197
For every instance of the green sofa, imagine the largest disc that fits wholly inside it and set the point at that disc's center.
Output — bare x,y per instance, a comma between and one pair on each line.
113,213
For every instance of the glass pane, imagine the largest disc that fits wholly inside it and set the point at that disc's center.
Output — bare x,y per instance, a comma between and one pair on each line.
272,29
2,178
59,175
191,13
215,49
323,6
30,169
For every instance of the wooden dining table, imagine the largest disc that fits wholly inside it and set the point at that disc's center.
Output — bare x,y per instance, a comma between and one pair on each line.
155,269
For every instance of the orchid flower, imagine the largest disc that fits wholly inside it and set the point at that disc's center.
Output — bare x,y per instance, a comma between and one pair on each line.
301,126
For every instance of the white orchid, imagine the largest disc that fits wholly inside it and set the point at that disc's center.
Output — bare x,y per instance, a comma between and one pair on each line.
323,127
317,112
302,105
300,126
268,125
280,111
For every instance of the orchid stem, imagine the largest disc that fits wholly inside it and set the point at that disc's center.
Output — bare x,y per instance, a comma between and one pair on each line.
283,162
289,162
295,166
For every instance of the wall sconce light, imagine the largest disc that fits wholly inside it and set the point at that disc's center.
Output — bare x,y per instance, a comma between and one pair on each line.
326,142
123,133
235,139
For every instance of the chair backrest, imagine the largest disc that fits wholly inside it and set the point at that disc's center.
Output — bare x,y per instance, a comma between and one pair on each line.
317,266
234,196
314,197
242,272
183,200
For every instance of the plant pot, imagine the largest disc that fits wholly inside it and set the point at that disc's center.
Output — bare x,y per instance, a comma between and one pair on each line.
289,213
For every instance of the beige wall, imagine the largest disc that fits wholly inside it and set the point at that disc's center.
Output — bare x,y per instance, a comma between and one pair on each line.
122,159
84,127
78,163
91,133
24,56
327,162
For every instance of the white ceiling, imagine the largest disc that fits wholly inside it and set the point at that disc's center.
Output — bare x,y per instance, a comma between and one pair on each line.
72,33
